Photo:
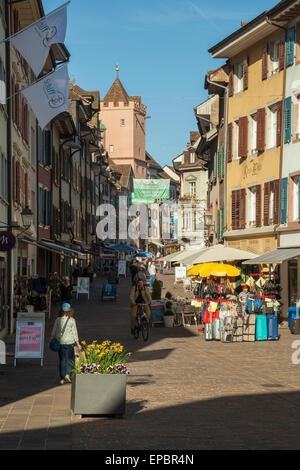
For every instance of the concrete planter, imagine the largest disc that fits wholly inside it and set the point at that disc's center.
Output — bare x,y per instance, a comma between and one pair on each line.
98,394
169,321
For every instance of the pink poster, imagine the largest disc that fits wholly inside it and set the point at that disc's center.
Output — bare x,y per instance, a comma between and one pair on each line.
30,338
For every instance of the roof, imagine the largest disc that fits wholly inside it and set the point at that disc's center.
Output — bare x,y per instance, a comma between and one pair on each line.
150,161
123,170
251,32
76,91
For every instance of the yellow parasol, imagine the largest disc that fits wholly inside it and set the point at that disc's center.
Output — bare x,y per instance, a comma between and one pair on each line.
214,269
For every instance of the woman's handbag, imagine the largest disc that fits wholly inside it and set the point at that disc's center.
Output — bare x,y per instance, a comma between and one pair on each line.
54,344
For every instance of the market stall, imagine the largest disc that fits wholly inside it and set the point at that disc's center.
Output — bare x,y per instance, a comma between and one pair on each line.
252,315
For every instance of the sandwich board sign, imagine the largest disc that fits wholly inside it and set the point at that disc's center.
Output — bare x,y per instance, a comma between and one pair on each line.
29,340
83,286
180,273
122,268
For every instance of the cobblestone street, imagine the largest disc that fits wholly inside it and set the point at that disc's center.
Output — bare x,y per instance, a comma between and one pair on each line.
183,392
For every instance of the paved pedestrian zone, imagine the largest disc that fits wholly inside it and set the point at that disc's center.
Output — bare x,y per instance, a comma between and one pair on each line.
183,392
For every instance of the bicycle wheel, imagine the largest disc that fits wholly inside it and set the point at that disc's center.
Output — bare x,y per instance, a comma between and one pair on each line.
145,329
136,332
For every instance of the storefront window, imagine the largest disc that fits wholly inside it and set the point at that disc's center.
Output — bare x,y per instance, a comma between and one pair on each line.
293,279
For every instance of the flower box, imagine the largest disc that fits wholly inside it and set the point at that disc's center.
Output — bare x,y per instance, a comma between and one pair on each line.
98,394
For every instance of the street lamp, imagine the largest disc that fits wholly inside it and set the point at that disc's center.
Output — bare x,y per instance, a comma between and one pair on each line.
27,217
208,219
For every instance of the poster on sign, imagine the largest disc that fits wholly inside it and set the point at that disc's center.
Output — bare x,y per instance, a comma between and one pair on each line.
83,286
122,268
180,273
29,340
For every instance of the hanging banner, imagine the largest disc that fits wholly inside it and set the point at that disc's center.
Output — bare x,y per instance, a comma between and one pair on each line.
147,191
49,96
7,241
34,42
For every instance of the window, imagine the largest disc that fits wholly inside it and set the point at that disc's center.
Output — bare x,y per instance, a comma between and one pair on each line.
272,126
274,57
192,157
252,133
238,73
3,177
193,188
236,139
111,148
295,181
251,209
122,122
33,147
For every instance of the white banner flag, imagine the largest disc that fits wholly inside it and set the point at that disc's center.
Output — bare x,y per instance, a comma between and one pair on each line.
49,96
35,41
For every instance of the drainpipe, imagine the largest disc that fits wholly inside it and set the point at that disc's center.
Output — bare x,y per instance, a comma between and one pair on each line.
10,257
225,88
282,125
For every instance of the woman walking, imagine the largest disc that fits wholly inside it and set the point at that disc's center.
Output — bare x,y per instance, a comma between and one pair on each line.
65,331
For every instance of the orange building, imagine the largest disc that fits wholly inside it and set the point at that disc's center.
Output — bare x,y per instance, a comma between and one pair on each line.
125,136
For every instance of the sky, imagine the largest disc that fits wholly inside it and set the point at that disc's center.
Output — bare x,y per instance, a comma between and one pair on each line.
161,47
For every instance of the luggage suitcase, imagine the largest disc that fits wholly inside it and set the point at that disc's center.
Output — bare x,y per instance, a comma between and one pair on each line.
216,329
272,324
295,326
227,334
261,328
208,332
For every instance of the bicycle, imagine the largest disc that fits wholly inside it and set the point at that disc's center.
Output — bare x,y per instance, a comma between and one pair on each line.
141,323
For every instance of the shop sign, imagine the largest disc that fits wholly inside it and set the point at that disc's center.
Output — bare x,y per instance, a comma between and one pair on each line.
29,340
7,241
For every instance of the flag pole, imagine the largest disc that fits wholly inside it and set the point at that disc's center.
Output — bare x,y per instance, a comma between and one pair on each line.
35,22
37,81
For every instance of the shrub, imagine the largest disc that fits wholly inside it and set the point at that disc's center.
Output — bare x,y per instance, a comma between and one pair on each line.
156,290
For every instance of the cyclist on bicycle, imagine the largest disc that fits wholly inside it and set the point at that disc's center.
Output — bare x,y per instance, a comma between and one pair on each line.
139,295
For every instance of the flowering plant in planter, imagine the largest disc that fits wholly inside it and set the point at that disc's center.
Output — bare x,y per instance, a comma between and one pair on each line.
104,358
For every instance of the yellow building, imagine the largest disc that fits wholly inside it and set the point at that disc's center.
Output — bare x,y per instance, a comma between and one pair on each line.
256,55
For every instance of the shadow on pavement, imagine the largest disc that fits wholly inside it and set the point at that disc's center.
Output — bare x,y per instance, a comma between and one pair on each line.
266,421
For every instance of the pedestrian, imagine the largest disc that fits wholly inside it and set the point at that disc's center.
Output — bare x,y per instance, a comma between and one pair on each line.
65,331
66,291
152,272
161,266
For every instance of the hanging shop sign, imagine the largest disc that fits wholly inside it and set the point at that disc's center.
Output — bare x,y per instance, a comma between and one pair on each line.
7,241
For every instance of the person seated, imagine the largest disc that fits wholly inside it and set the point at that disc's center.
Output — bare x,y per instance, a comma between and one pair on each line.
139,295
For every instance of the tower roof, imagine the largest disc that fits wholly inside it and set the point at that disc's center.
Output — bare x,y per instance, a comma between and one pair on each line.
116,93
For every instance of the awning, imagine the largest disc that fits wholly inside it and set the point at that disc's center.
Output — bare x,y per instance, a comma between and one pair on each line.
41,245
276,256
64,248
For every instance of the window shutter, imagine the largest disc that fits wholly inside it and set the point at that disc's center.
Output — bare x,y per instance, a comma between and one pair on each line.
279,124
223,220
218,224
258,206
267,203
231,82
229,143
243,136
233,210
19,182
298,43
288,120
222,161
290,46
245,73
283,202
14,192
13,100
26,190
276,202
242,211
261,122
282,52
218,164
265,62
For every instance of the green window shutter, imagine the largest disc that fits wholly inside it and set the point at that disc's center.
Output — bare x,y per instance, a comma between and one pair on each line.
290,46
218,164
218,224
288,120
284,200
